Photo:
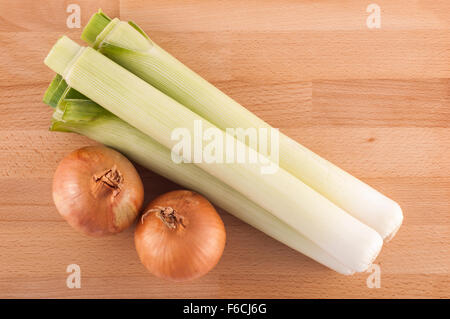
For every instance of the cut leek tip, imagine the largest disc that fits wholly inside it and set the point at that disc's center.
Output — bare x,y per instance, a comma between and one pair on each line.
57,126
78,110
54,91
62,54
94,27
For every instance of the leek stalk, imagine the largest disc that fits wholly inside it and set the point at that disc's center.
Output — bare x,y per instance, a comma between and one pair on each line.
351,242
76,113
129,46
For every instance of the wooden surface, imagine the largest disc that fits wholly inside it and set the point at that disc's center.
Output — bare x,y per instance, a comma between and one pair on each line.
374,101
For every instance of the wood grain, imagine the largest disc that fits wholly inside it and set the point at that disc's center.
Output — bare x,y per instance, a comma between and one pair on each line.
375,102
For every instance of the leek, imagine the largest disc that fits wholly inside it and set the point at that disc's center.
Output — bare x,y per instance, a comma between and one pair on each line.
351,242
129,46
76,113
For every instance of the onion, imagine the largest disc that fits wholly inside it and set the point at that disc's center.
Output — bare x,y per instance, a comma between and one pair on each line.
180,236
97,190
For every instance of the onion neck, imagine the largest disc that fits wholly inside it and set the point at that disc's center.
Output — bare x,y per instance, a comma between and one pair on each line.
171,218
107,182
168,216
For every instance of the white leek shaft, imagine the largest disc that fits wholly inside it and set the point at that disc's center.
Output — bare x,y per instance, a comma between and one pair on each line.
133,100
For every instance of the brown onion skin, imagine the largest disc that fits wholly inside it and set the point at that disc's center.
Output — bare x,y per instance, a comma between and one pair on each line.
92,207
186,252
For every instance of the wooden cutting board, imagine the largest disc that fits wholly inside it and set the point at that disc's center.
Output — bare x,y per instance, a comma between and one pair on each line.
375,101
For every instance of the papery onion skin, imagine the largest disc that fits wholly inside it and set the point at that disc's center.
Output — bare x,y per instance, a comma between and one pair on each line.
188,250
97,190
